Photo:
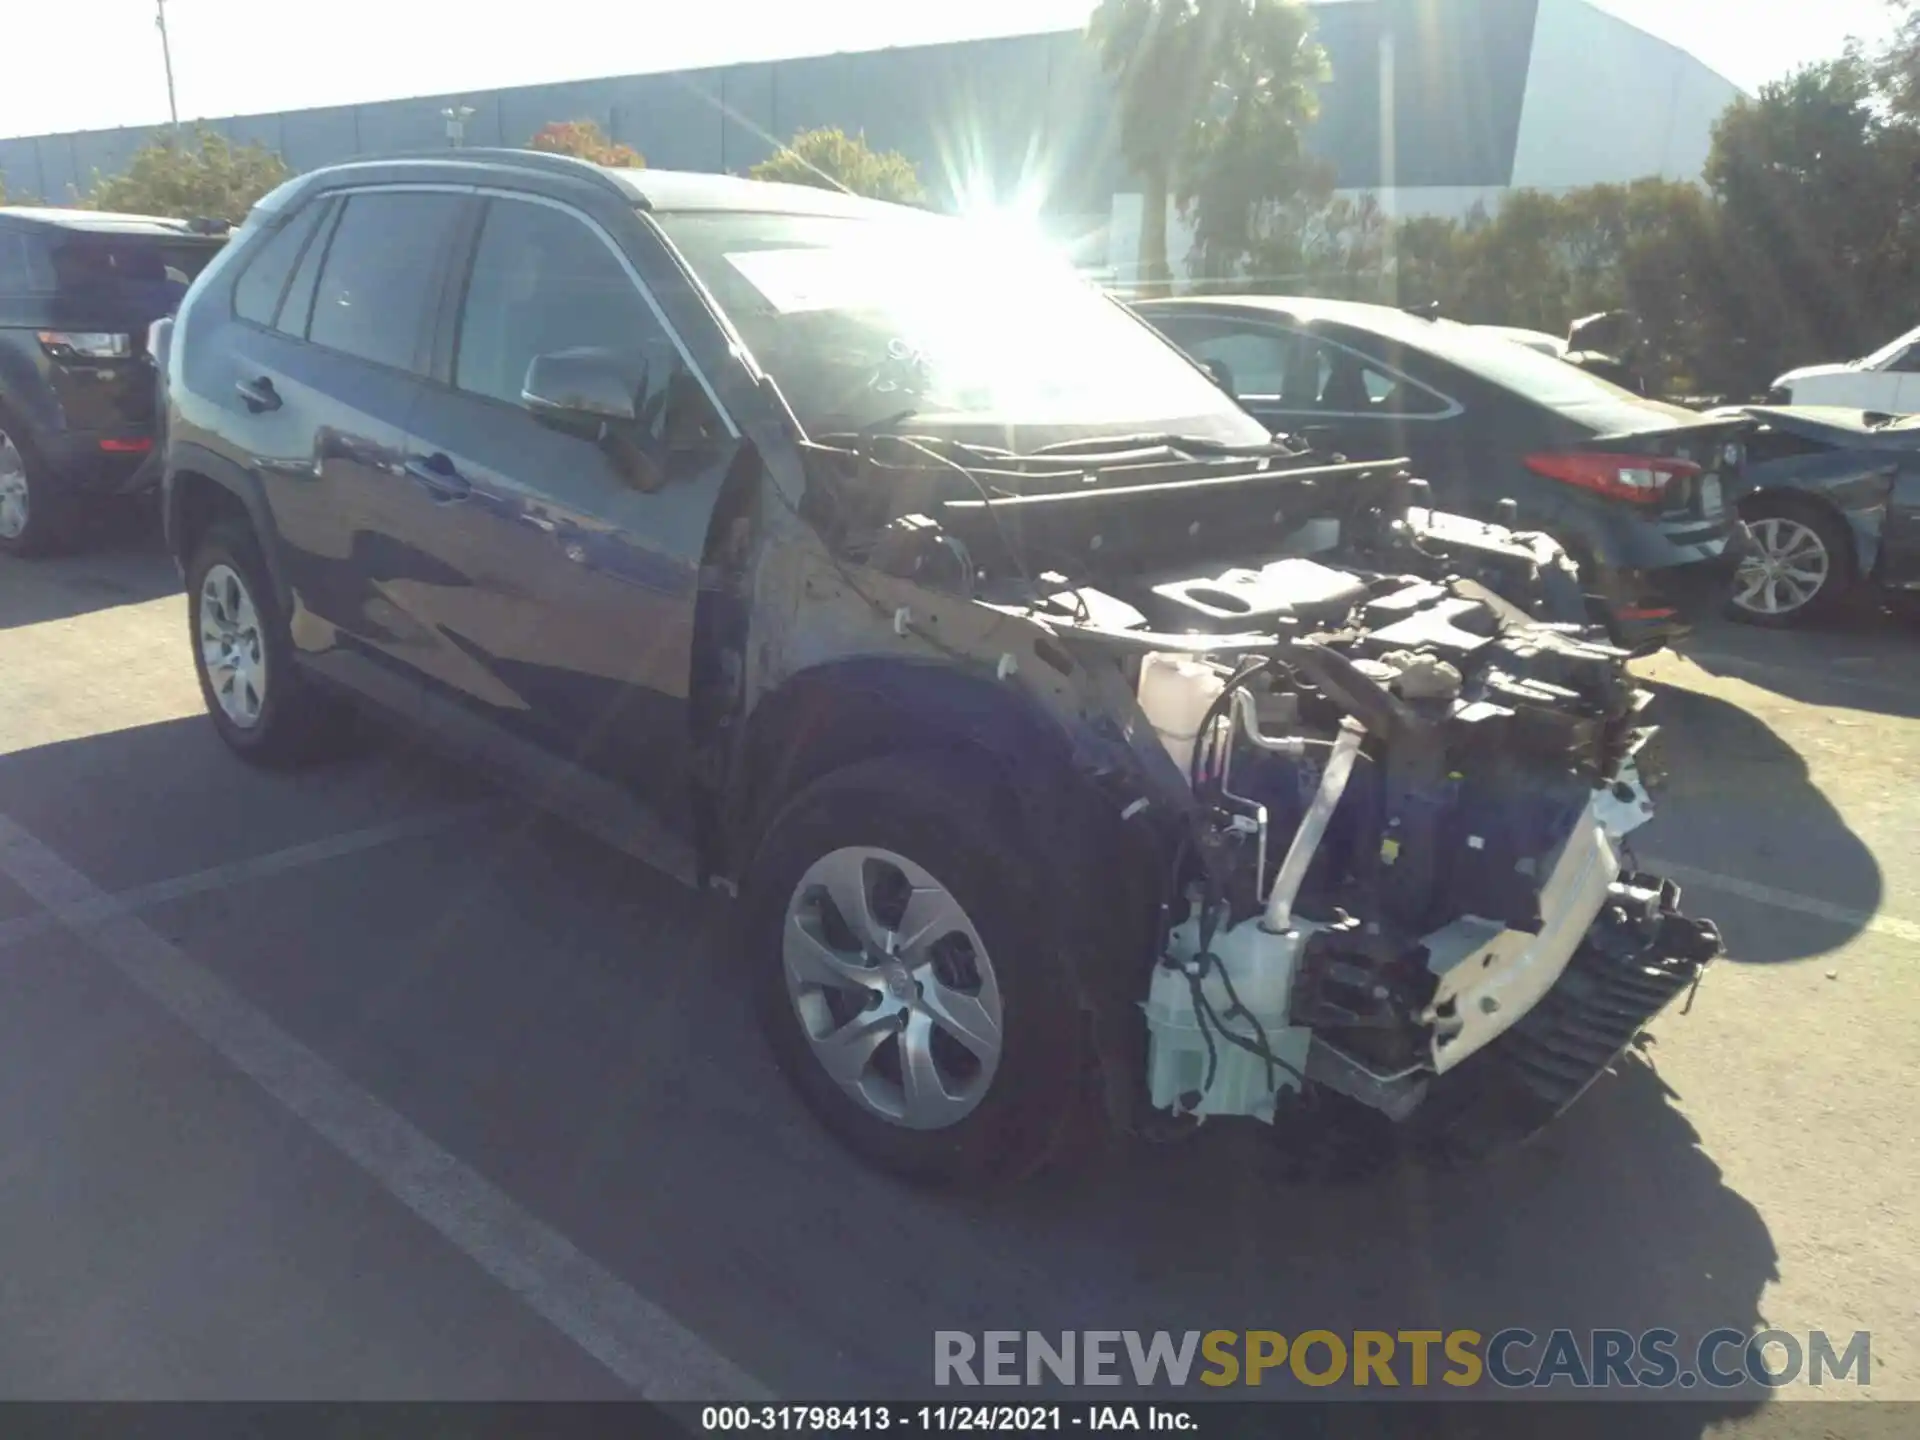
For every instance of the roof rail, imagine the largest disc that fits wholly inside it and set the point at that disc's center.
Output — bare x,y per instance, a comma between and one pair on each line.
545,160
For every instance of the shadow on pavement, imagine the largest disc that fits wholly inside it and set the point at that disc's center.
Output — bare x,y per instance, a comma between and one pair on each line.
1738,802
1863,663
576,1029
1614,1218
120,560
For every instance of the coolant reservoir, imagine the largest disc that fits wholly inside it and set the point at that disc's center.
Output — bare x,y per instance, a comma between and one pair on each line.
1176,692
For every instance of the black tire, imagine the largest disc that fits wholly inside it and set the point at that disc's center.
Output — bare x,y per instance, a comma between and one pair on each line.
946,818
298,722
49,508
1836,541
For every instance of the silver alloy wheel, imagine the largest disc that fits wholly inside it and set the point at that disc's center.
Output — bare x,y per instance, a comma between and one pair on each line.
893,987
1790,568
13,490
232,646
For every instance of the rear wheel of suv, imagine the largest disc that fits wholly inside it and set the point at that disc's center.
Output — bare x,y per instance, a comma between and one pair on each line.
264,707
1803,565
33,512
904,976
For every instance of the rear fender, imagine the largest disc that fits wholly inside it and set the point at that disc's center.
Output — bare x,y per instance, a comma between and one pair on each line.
1853,486
190,466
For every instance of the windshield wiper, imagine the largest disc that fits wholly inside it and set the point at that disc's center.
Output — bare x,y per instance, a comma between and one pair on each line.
1195,445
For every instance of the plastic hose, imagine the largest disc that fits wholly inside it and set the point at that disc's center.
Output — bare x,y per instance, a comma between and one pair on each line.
1306,840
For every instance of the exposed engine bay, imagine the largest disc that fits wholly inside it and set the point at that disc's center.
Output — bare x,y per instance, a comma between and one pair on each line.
1388,756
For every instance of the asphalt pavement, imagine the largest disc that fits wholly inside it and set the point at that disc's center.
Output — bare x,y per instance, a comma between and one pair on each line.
366,1082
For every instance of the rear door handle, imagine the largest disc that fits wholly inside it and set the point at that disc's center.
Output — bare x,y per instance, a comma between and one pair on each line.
258,393
435,474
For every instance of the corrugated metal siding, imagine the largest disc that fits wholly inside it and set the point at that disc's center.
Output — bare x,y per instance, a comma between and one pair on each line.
1034,105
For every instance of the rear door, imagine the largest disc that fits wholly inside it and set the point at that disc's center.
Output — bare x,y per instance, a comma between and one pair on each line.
330,340
563,570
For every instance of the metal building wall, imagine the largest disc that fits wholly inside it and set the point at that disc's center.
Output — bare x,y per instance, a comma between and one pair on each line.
1037,111
958,111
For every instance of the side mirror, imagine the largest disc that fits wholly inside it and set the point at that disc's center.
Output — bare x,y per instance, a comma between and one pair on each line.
1222,375
580,390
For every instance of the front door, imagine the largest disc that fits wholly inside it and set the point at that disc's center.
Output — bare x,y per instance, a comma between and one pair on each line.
570,563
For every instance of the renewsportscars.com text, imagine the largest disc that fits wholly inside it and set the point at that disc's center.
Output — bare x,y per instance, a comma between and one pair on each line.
1412,1359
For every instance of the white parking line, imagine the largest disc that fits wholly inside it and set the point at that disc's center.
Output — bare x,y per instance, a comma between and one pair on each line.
256,867
1888,925
634,1338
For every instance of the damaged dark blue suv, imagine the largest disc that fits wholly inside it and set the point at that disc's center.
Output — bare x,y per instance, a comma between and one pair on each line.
1049,719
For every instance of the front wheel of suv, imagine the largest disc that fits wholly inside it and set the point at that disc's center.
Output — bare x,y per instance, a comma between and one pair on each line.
33,513
264,707
900,953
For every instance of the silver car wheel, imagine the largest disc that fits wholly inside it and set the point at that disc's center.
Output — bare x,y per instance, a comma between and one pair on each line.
232,647
13,490
893,987
1788,569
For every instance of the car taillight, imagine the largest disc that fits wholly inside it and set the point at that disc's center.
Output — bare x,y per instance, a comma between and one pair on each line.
86,344
1642,479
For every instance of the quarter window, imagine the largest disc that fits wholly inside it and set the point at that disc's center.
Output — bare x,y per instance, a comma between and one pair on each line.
256,296
297,308
381,275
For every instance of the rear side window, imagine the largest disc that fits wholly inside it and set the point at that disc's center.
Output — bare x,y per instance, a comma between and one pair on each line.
381,275
256,295
23,265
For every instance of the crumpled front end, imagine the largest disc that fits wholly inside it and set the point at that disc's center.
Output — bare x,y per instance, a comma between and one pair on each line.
1383,762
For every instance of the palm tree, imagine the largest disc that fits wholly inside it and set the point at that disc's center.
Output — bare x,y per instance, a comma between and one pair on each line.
1213,95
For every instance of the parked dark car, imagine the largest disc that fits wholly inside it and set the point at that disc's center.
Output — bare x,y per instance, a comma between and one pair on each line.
831,553
78,291
1635,489
1832,497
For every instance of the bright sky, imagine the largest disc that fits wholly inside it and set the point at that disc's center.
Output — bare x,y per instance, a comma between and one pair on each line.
86,64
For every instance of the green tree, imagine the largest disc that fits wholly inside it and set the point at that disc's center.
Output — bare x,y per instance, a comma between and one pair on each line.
1817,215
1897,66
1213,96
210,177
586,141
829,159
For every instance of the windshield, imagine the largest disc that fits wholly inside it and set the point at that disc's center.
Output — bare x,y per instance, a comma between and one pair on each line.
1888,352
923,323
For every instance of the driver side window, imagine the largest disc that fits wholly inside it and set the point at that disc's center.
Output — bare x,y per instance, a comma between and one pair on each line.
543,281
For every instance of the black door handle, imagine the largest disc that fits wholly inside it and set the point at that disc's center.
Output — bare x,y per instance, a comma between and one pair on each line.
259,394
436,475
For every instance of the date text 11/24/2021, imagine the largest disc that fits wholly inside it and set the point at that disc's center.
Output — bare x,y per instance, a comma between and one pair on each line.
936,1419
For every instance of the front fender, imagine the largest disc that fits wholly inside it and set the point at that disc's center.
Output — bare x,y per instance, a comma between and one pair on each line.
1104,857
839,712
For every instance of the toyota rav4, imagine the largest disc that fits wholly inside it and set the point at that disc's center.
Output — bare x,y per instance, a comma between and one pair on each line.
1056,729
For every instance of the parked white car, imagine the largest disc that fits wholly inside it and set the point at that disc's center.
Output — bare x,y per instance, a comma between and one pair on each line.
1887,380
